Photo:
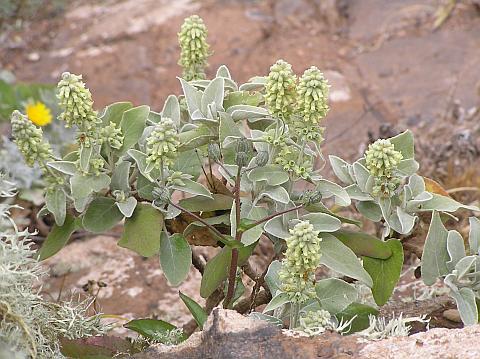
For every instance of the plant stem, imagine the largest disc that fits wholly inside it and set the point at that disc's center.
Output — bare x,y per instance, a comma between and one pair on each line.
201,220
260,221
238,237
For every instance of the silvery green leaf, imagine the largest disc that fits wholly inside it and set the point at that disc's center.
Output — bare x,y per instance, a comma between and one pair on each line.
172,212
120,176
267,318
335,294
192,96
277,228
132,125
188,162
474,235
253,213
81,204
141,161
113,113
329,189
417,184
171,109
435,255
408,167
154,117
83,185
419,199
127,207
258,145
440,203
455,249
277,193
401,221
85,156
340,168
338,257
276,302
175,257
272,278
66,167
145,134
386,207
56,203
222,219
273,175
255,83
370,209
404,143
227,128
361,175
213,93
196,137
223,71
193,187
101,215
246,112
466,304
230,84
464,265
197,115
355,192
323,222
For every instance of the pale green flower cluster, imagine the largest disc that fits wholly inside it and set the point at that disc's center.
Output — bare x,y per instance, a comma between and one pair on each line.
112,136
29,140
194,48
291,161
302,257
77,104
280,89
382,160
312,92
162,144
315,322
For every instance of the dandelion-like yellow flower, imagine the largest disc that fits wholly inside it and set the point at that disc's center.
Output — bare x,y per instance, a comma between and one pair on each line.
38,113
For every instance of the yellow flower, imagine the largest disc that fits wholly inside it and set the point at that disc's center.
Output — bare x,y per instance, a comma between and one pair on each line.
38,113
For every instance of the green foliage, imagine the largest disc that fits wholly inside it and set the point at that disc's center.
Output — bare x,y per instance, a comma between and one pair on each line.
197,311
220,165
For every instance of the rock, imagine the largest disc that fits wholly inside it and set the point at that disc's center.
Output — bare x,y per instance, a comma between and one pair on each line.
229,335
453,315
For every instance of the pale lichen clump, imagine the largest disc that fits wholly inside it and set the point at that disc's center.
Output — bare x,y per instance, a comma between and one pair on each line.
31,327
382,160
313,91
302,257
280,96
194,48
29,140
77,104
162,144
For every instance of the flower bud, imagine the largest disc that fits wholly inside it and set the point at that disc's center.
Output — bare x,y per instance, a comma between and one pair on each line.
162,144
241,159
280,90
194,48
313,96
214,152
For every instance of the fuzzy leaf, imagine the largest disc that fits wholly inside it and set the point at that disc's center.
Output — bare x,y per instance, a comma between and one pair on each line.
194,188
329,189
101,215
340,168
340,258
151,328
188,162
474,235
364,244
120,176
57,238
323,222
56,203
171,110
276,302
404,143
142,231
246,112
466,304
277,193
385,272
334,294
83,185
113,113
370,209
273,175
132,125
455,249
206,204
67,167
213,93
128,206
192,96
272,278
175,258
435,254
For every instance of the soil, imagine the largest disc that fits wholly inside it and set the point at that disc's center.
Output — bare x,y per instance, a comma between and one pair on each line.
386,65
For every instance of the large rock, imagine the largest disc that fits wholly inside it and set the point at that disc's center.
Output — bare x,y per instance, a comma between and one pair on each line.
229,335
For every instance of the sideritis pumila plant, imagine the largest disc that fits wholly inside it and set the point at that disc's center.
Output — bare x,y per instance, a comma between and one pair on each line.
239,156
